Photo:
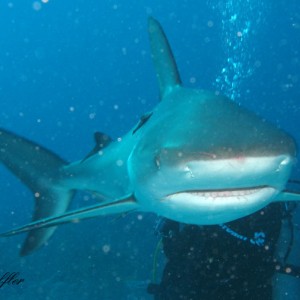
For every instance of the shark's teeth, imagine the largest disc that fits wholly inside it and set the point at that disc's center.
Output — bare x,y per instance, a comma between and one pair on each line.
224,193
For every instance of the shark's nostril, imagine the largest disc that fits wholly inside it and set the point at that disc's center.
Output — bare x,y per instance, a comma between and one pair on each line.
286,161
188,170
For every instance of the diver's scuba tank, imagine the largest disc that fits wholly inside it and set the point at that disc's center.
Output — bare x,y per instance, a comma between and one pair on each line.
286,280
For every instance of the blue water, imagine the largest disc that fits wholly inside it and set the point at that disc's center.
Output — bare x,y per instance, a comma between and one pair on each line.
70,68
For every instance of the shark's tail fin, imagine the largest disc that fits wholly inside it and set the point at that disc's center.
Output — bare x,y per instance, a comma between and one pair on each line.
39,169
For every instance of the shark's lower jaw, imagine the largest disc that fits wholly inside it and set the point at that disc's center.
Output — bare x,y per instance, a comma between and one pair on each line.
205,207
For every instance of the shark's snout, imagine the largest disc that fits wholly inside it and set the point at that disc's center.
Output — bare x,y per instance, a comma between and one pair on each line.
202,170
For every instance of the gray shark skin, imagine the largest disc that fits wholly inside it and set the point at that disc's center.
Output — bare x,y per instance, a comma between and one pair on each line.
197,158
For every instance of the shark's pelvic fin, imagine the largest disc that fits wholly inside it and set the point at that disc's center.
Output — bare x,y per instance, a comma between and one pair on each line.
38,168
164,62
125,204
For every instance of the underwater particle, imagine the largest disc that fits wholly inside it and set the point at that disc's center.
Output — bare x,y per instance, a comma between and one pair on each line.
45,1
86,198
239,34
277,267
296,25
106,248
37,195
119,139
210,23
140,217
10,5
257,64
124,51
36,5
143,101
115,6
119,163
92,116
38,120
193,80
21,114
116,107
288,270
71,108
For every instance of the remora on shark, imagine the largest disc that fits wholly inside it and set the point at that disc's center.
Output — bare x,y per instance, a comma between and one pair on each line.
197,158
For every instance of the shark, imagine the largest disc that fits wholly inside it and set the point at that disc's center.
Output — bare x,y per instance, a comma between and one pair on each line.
197,158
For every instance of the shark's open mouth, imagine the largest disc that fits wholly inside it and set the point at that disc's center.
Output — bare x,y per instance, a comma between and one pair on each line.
215,206
222,196
223,193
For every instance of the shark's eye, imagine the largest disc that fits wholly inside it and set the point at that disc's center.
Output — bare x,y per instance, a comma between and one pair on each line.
142,121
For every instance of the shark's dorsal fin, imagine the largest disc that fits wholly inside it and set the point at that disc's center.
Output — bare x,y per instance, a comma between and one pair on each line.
102,140
163,59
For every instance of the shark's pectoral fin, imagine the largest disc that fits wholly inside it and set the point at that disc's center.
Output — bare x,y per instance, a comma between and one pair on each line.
120,206
287,196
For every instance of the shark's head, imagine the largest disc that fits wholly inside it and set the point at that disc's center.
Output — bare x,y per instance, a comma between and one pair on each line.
201,158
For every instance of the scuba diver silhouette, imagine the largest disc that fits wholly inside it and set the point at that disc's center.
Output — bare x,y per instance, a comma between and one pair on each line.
245,259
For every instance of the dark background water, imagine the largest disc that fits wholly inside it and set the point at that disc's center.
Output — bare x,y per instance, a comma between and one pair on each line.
69,68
